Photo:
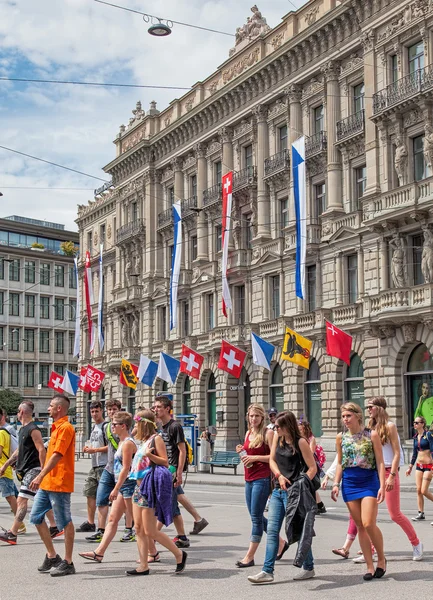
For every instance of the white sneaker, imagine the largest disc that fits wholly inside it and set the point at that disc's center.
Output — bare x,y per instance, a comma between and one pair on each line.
303,574
360,559
417,552
261,577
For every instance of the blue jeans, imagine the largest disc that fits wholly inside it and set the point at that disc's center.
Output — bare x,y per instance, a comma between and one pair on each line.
105,487
44,501
256,496
276,514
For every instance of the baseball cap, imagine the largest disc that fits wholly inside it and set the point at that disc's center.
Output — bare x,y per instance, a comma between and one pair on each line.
272,411
165,395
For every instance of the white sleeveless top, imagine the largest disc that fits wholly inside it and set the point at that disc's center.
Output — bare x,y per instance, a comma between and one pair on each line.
388,453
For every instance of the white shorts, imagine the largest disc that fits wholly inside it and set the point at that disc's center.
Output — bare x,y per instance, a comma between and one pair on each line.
25,491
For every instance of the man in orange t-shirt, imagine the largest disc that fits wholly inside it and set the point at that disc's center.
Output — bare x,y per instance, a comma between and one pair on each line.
55,483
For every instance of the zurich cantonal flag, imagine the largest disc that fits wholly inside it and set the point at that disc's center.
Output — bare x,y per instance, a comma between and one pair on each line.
262,351
168,368
70,383
147,370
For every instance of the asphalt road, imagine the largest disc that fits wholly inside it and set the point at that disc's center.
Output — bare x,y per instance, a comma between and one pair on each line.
210,569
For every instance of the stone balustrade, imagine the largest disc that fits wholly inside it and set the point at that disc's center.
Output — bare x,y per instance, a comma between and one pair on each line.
346,314
302,322
399,300
130,230
350,126
277,163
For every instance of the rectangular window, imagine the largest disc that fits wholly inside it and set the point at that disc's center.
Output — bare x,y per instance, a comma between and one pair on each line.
193,243
318,119
29,375
14,304
14,374
239,305
360,185
319,199
90,241
59,342
210,312
416,57
1,374
218,238
14,269
275,296
44,375
284,212
2,300
352,278
2,339
2,265
193,186
72,310
102,230
247,231
358,97
311,287
44,307
134,211
162,322
185,318
170,196
60,369
29,340
248,156
44,341
394,68
29,305
417,246
59,279
45,274
218,172
282,138
71,343
30,271
419,163
14,339
59,309
72,278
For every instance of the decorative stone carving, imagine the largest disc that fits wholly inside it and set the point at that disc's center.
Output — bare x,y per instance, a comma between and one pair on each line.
279,107
311,15
401,160
189,161
398,261
327,228
409,332
135,329
260,112
189,104
200,150
239,67
242,128
95,239
124,330
177,163
255,26
428,144
128,269
213,86
213,147
412,11
427,255
277,40
354,62
331,70
109,231
226,135
387,331
411,118
314,86
293,92
367,40
133,139
168,117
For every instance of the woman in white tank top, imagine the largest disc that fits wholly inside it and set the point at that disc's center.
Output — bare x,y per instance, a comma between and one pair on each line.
393,459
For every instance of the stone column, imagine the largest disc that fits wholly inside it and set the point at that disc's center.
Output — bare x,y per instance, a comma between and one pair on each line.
226,136
383,279
263,204
153,206
371,138
360,271
319,287
177,164
339,279
333,114
293,93
202,239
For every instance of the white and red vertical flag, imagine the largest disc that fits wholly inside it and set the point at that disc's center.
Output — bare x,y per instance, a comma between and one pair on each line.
101,301
226,223
77,312
88,292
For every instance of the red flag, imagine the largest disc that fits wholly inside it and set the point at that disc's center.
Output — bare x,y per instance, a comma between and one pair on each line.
338,342
122,376
88,292
231,359
83,385
55,381
94,378
227,184
190,362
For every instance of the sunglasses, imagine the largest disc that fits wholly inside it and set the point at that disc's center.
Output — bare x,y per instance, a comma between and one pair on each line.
418,423
116,424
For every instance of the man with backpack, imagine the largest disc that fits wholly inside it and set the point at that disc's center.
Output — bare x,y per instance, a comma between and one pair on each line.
98,451
8,446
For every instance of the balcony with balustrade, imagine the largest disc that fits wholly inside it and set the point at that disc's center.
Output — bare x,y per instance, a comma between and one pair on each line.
165,218
403,91
188,206
396,305
245,178
212,195
315,144
277,163
131,230
351,126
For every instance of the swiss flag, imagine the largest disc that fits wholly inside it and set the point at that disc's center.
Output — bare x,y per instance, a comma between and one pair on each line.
338,342
231,359
55,381
94,378
190,362
83,385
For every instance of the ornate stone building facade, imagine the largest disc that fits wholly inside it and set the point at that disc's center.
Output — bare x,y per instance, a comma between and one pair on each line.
356,78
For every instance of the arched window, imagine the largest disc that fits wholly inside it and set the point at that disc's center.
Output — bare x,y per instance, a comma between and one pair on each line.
276,389
211,400
247,393
186,397
419,385
354,382
313,394
164,387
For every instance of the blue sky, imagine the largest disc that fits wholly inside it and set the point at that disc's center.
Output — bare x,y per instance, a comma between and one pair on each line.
75,125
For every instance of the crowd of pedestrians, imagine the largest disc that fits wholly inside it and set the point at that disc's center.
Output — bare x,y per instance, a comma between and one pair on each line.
138,467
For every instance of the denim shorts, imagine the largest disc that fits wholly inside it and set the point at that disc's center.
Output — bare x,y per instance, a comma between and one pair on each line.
127,489
44,501
8,487
105,487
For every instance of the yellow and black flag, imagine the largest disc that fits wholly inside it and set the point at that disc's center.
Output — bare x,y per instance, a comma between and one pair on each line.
296,349
128,374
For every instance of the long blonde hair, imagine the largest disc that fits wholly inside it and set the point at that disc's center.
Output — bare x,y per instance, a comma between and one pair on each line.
380,422
146,424
257,438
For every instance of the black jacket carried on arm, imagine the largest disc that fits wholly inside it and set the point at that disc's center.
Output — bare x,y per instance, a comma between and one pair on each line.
301,512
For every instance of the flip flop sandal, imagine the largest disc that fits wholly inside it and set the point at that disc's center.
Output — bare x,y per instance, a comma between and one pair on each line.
341,552
95,558
155,558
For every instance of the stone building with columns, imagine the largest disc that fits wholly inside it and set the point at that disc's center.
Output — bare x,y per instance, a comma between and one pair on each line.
355,77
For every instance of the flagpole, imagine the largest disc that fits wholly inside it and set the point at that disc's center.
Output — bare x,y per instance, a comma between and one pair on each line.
77,312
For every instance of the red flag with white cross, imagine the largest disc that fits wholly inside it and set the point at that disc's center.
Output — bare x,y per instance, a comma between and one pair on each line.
338,342
55,382
231,359
190,362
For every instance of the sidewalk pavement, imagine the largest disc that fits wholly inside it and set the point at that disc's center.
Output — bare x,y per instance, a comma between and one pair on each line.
226,476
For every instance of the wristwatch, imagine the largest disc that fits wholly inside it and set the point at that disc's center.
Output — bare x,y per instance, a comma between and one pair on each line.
393,474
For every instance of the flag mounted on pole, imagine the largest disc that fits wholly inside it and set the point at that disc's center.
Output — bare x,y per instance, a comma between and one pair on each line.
77,312
168,368
226,222
190,362
296,349
70,383
88,291
101,301
338,342
128,374
231,359
147,370
175,263
299,192
263,351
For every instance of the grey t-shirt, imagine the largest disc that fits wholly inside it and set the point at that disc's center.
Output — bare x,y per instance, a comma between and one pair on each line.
98,440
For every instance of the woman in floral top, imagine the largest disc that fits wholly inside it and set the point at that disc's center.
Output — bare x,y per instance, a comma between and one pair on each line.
361,472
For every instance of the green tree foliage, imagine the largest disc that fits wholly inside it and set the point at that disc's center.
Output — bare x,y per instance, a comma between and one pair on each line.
10,401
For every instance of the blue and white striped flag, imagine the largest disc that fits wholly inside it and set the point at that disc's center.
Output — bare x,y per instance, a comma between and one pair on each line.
299,192
168,368
77,312
70,383
263,351
101,301
147,370
175,263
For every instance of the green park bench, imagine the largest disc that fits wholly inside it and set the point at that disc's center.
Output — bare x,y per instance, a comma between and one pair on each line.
222,459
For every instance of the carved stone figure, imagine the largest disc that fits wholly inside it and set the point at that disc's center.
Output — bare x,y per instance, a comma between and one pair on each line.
398,262
124,330
135,329
428,145
128,270
255,26
427,255
401,160
137,264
